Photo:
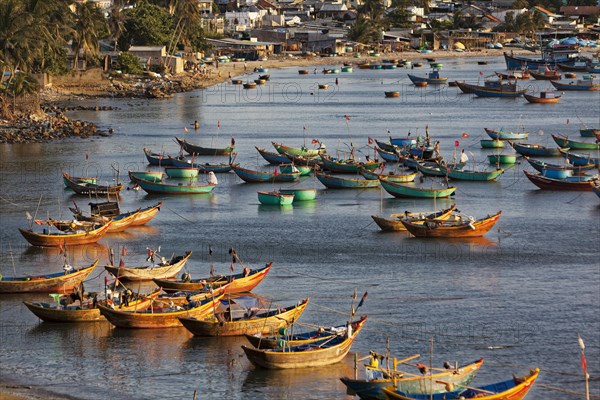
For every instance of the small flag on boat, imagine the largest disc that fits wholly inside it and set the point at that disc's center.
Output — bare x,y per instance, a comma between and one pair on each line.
465,135
87,156
456,143
481,73
124,251
218,123
361,302
347,117
583,360
370,140
276,172
185,129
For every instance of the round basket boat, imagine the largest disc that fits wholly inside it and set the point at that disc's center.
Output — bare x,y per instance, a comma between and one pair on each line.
421,84
392,94
236,81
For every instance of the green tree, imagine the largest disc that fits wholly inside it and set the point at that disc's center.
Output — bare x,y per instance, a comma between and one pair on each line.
89,25
129,64
146,25
363,31
399,15
116,21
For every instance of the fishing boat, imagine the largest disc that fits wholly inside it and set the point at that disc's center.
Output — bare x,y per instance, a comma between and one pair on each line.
109,210
504,90
119,223
580,159
543,98
252,176
197,150
182,172
162,270
335,182
236,81
414,383
153,176
469,175
522,75
323,86
79,179
513,389
455,228
580,85
565,142
159,317
304,170
546,74
260,81
549,58
325,352
159,159
390,177
204,168
347,166
387,146
272,158
403,141
92,189
227,324
59,282
393,222
400,190
578,66
86,311
578,182
172,188
491,143
506,159
236,283
534,150
542,166
301,194
589,132
388,156
392,94
249,85
503,135
433,78
285,338
275,198
264,77
297,151
303,72
57,239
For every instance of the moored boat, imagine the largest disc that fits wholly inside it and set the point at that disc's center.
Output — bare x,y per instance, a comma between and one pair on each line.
491,143
202,167
507,159
59,282
546,74
433,78
182,172
503,135
580,159
543,98
565,142
347,166
578,182
456,228
198,150
336,182
272,158
579,85
388,156
469,175
297,151
392,94
172,188
304,170
162,270
79,179
390,177
57,239
153,176
574,169
535,150
159,159
275,198
400,190
393,222
589,132
252,176
301,194
92,189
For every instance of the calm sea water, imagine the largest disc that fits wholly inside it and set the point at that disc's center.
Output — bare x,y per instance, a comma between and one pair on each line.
518,297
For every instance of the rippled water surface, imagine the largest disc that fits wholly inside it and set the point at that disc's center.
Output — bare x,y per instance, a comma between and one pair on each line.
518,297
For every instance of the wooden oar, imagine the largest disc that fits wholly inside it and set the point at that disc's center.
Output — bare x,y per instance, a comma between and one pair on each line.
449,385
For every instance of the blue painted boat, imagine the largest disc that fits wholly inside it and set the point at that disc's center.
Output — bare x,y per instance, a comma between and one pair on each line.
534,150
505,91
403,141
433,78
179,188
411,163
579,85
557,173
335,182
400,190
252,176
580,159
388,156
272,158
203,168
385,146
502,135
541,166
157,159
467,175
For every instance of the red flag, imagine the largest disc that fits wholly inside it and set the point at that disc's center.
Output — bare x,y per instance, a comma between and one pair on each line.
371,140
315,141
481,73
185,129
124,251
583,363
218,123
276,172
456,144
465,135
87,156
362,300
347,117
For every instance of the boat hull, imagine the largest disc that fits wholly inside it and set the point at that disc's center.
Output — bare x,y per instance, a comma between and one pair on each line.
182,172
535,150
251,176
334,182
67,239
193,149
149,273
546,183
181,188
438,229
301,194
53,283
399,190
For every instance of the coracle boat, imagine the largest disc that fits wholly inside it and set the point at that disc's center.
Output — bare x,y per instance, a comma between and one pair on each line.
162,270
565,142
182,172
392,94
159,159
468,175
491,143
225,324
238,283
197,150
59,282
272,158
325,352
400,190
275,198
236,81
414,383
87,188
336,182
535,150
296,151
250,85
323,86
301,194
57,239
503,135
303,72
347,166
153,176
252,176
513,389
157,317
505,159
394,224
170,188
543,98
85,312
459,228
579,182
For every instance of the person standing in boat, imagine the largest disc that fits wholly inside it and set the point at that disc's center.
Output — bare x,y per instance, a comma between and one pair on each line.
436,149
463,157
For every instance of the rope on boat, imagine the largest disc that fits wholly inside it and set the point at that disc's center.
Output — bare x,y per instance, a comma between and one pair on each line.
10,202
557,389
179,215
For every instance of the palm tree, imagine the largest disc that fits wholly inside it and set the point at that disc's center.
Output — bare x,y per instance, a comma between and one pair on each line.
363,31
89,24
187,13
116,20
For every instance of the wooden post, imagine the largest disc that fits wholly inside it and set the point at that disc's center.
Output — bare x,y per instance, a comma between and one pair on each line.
431,368
355,366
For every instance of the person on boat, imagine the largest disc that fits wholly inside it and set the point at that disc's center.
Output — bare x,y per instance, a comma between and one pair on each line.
246,271
436,149
463,156
373,360
186,277
212,178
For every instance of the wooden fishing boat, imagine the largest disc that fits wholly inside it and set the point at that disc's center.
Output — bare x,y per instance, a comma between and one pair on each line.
57,239
237,283
464,87
579,159
336,182
546,74
513,389
433,78
491,144
577,66
59,282
146,214
565,142
221,324
87,188
522,75
543,98
323,86
285,338
182,172
304,170
260,81
275,198
506,159
394,224
459,228
107,211
392,94
503,135
153,176
492,89
197,150
468,175
326,352
388,156
85,312
579,182
347,166
264,77
535,150
251,176
296,151
272,158
236,81
304,161
202,167
160,159
589,132
250,85
158,317
580,85
164,269
574,169
400,190
303,72
119,223
79,179
301,194
171,188
414,383
390,177
388,146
